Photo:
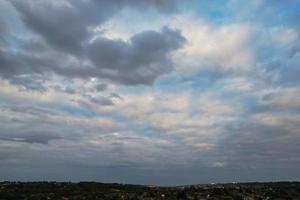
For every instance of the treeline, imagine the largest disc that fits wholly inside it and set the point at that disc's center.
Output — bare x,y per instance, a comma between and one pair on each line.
95,190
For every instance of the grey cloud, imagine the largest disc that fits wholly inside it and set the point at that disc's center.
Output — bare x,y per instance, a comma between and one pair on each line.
3,26
31,110
3,31
90,102
115,95
32,82
14,64
68,90
102,101
251,145
63,48
9,64
34,124
61,25
101,87
34,46
35,63
29,136
139,61
26,71
65,24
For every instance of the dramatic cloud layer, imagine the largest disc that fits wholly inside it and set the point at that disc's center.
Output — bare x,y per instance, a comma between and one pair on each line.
163,92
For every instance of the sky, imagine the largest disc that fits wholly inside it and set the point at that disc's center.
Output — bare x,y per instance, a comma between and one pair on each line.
150,92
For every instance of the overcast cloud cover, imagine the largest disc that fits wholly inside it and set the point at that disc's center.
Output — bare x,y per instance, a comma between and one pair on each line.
150,92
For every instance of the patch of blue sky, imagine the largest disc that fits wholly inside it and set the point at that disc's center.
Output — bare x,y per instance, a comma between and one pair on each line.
269,13
282,69
271,59
286,12
149,131
133,89
252,105
205,80
74,110
16,33
117,116
215,11
275,13
170,83
201,81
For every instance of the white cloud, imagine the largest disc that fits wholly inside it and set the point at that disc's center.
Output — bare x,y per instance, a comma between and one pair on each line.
218,164
223,47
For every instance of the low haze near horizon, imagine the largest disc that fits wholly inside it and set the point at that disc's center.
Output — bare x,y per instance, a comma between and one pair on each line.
150,92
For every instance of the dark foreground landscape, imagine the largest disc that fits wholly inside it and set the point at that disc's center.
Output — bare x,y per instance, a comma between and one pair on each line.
93,190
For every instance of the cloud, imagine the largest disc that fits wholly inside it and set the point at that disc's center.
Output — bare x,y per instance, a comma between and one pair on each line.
101,87
69,52
218,164
29,137
3,31
263,141
222,49
65,24
139,61
282,98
